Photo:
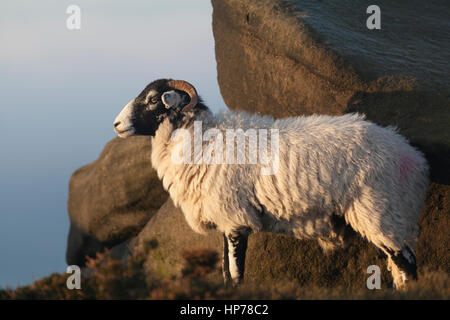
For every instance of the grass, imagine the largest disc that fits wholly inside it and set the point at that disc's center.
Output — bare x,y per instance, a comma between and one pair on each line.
108,278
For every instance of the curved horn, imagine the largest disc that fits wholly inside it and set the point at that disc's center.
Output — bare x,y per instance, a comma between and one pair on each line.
189,89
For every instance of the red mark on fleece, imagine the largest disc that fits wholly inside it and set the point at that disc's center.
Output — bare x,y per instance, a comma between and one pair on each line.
405,167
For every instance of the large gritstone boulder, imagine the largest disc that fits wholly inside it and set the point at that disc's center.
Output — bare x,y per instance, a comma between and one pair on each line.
300,57
111,199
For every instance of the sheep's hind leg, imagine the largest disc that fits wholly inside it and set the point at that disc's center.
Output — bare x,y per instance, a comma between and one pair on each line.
236,247
402,265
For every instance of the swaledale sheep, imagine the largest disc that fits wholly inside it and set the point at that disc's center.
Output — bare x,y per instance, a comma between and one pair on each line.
334,175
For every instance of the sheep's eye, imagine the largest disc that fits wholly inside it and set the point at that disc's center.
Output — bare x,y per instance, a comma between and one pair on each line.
154,100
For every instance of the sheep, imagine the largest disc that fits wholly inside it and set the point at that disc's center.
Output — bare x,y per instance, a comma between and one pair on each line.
335,176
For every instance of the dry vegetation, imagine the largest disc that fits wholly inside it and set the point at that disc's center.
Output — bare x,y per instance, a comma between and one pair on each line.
109,278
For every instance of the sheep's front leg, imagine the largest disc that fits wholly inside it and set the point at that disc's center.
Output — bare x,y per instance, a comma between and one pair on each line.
235,246
226,262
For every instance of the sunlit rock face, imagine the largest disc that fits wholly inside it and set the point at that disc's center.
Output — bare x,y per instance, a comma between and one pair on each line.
413,39
301,57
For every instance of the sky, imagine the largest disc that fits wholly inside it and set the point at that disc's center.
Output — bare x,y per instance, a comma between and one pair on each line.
60,91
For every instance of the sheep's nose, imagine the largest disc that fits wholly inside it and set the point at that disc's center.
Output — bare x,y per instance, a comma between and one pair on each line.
116,124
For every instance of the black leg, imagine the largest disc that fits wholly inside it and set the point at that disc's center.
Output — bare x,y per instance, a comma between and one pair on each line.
237,247
406,261
402,265
226,262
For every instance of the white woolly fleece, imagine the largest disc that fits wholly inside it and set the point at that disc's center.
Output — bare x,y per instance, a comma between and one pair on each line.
328,165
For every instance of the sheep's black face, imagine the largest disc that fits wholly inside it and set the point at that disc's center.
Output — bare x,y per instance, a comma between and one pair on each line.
143,114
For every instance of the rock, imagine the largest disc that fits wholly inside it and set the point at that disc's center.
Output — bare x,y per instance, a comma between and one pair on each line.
287,58
111,199
269,61
80,245
411,42
173,235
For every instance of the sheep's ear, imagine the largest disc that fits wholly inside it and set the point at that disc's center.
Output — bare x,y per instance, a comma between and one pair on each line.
172,99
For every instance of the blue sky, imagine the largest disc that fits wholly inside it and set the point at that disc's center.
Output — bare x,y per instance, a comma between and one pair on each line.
60,91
